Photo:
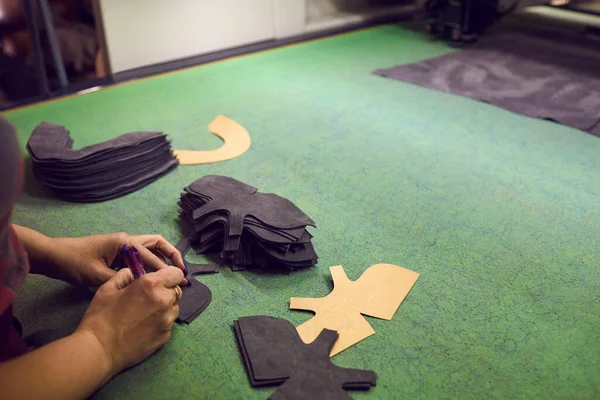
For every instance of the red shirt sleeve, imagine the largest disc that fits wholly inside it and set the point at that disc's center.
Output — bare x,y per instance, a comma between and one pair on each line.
13,259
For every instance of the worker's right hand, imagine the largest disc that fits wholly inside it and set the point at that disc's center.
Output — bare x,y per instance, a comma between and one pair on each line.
133,318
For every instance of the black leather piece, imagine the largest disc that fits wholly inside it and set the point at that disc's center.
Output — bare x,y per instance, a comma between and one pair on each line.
142,154
248,228
99,172
196,296
192,269
541,73
47,142
273,354
114,177
270,209
121,190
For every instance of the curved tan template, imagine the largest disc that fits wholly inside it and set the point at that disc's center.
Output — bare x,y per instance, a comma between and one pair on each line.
377,293
235,136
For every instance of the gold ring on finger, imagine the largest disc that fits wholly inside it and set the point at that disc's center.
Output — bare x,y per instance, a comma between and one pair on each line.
178,294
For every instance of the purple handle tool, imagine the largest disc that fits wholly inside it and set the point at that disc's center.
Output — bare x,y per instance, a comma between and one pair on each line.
133,260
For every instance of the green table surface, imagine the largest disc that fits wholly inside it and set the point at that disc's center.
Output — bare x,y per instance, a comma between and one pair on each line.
499,214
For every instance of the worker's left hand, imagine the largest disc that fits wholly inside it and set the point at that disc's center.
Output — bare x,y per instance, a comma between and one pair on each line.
88,260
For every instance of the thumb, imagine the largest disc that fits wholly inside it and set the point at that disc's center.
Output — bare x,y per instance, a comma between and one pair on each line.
120,281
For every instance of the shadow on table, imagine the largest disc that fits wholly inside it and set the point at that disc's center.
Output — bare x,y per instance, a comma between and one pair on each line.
34,193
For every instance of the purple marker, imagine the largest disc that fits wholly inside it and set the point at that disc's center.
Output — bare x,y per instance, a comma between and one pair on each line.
133,260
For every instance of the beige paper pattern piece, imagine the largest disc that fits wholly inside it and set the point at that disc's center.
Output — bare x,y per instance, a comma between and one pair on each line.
377,293
235,136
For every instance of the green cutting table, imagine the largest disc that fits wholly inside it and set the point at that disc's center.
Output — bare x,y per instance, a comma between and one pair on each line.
497,212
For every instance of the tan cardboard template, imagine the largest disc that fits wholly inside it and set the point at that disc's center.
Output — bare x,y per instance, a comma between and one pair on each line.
377,293
235,136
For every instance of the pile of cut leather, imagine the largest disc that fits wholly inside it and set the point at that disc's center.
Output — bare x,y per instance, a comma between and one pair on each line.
247,228
99,172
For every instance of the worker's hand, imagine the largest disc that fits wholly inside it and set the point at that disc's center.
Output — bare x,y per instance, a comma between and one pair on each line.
88,260
133,318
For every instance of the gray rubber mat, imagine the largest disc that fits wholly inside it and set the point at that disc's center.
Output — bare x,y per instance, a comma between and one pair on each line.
549,75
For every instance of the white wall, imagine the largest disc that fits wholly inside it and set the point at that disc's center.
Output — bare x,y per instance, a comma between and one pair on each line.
145,32
290,18
139,33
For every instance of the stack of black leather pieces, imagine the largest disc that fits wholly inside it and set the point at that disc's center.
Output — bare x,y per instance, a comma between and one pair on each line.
247,228
99,172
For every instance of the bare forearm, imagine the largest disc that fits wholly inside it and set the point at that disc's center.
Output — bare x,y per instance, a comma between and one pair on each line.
70,368
40,251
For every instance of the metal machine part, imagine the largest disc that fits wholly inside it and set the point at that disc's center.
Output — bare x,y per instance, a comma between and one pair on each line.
464,20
